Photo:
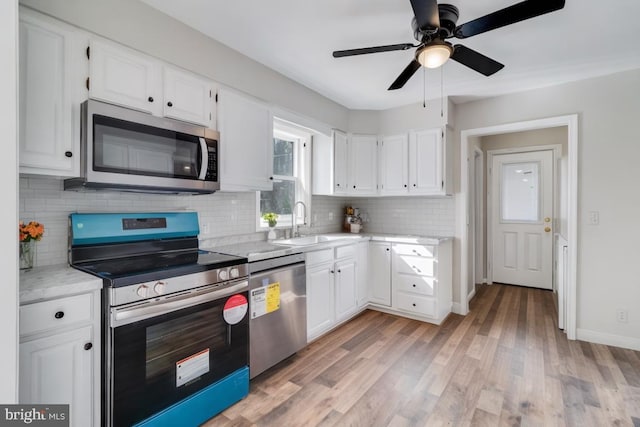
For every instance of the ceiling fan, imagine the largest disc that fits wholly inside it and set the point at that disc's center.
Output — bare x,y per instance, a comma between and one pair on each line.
434,23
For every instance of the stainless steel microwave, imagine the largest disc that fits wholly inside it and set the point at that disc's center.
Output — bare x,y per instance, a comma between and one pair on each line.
127,150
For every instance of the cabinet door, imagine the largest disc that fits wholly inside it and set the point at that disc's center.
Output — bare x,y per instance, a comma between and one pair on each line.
362,156
341,153
394,165
320,300
345,285
58,370
362,273
187,97
246,143
425,167
380,273
125,77
50,92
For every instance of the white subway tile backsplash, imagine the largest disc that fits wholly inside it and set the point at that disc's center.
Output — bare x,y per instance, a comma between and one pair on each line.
231,217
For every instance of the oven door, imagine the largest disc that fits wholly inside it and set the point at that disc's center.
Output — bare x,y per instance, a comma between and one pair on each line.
162,359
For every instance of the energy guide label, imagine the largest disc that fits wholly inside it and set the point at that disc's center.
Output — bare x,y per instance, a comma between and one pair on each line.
265,300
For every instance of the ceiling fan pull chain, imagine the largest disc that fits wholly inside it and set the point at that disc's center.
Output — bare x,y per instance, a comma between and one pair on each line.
441,92
424,87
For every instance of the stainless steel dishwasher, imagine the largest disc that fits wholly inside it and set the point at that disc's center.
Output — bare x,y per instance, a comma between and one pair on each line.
278,308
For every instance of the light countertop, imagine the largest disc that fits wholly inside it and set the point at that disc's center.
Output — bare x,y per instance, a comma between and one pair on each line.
54,281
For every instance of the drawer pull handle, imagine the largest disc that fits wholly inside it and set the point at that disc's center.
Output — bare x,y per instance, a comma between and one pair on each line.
88,346
59,315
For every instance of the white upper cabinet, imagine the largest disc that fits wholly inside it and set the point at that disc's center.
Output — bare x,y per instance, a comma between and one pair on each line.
246,143
426,162
363,173
341,165
188,97
123,76
51,90
394,165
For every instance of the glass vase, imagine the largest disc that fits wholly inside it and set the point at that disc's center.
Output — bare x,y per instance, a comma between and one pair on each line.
272,233
27,254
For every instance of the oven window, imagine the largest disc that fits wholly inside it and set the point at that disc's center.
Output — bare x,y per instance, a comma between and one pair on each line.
131,148
191,335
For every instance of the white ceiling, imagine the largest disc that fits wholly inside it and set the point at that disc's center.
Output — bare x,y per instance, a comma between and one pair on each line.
296,38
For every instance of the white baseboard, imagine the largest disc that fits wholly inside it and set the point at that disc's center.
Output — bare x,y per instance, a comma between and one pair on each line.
456,308
471,294
608,339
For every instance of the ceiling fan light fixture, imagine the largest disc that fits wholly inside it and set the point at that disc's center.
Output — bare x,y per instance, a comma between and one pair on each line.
434,54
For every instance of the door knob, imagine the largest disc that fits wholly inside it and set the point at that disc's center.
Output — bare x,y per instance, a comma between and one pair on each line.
547,219
547,229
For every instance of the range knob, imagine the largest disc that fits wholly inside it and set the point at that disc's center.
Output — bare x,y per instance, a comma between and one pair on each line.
143,291
234,273
223,275
159,288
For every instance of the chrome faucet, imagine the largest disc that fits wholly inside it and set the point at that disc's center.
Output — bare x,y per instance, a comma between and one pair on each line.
294,225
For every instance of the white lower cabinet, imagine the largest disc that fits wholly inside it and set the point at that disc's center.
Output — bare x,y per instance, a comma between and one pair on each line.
60,355
332,288
380,273
421,280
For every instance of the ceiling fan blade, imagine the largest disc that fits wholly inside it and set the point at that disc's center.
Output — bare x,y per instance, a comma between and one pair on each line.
476,61
426,13
507,16
405,75
374,49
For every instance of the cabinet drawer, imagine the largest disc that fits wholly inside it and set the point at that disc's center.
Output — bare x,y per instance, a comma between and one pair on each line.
318,257
348,251
54,314
423,306
414,265
415,250
416,284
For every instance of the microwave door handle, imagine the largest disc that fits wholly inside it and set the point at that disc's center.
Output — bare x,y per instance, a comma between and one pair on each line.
204,159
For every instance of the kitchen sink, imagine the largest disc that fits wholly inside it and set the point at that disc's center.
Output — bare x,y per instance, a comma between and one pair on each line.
313,240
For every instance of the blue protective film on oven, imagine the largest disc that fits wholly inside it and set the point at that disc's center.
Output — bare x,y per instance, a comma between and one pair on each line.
203,405
101,228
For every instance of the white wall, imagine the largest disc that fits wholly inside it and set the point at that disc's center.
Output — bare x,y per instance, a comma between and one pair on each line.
609,148
142,27
8,227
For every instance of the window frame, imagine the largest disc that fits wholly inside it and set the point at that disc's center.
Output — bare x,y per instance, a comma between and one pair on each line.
302,139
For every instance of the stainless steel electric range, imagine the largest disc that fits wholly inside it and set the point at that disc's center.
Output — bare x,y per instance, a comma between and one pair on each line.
175,323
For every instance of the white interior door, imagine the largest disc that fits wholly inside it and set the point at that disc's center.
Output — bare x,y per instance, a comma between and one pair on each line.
521,218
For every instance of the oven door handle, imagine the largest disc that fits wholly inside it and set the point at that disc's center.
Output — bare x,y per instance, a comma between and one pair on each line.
134,313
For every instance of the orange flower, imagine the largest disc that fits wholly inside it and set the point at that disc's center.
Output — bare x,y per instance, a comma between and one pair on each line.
31,231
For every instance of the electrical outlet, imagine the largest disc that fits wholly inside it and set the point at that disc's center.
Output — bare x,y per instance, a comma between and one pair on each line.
594,218
205,228
330,216
622,316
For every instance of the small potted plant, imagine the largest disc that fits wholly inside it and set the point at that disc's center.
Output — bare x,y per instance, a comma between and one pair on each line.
272,220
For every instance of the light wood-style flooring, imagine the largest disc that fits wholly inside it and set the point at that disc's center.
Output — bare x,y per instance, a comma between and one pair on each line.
506,363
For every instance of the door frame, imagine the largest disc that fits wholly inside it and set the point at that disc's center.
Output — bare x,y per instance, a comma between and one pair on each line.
462,203
476,221
557,151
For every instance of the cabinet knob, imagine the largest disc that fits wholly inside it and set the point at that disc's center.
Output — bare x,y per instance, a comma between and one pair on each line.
387,249
354,186
170,104
331,271
414,285
88,346
414,304
271,178
414,185
337,185
150,99
59,315
339,271
405,186
68,154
